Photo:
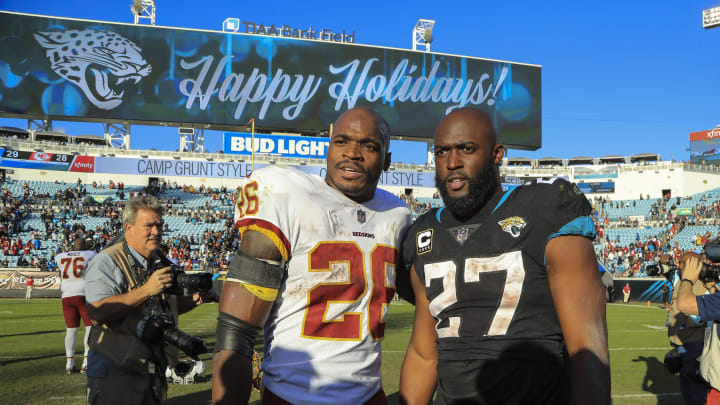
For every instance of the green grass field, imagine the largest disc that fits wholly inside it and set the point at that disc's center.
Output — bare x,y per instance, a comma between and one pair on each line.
32,354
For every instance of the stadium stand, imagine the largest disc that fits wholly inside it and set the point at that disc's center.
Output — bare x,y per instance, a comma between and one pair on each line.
39,219
636,221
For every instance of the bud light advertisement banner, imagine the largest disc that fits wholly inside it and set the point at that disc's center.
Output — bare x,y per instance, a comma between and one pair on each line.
92,70
281,145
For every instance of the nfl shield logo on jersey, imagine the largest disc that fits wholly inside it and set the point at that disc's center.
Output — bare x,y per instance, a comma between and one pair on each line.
462,235
361,218
513,225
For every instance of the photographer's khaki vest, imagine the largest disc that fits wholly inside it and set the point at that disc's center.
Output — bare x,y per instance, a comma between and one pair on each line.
118,342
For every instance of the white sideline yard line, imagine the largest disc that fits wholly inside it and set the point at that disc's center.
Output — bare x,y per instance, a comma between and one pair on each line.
637,330
662,394
654,305
611,349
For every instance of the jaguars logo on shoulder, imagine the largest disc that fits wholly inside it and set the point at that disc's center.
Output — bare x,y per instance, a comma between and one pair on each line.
424,241
513,225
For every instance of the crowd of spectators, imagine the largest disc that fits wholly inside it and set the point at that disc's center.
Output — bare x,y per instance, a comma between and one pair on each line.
417,207
65,215
636,258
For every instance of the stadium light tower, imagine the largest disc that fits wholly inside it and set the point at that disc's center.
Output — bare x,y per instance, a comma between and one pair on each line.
422,34
144,9
711,17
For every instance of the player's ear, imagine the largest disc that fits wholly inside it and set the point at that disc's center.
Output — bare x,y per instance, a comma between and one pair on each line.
386,165
498,153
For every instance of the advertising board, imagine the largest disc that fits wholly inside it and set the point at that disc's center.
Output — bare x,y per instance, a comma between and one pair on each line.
72,69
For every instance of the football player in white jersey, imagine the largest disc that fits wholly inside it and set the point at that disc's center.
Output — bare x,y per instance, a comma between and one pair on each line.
72,287
316,268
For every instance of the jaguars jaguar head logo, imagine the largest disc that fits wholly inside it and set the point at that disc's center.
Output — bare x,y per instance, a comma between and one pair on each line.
513,225
101,63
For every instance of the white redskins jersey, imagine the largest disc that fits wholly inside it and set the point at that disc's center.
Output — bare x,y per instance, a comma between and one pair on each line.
322,339
72,271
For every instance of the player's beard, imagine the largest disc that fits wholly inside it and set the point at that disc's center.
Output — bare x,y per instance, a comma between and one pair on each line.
481,188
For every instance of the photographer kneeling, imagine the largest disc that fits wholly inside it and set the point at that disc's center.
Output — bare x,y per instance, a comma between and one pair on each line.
708,307
135,295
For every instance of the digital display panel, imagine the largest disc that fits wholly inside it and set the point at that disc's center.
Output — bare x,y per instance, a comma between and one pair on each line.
91,70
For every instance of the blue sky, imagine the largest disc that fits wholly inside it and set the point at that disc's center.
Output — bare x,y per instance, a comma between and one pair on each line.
618,77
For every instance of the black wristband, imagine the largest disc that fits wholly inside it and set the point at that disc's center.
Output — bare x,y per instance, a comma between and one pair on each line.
688,280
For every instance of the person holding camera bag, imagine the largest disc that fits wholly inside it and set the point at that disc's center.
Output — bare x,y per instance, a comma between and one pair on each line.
130,289
708,307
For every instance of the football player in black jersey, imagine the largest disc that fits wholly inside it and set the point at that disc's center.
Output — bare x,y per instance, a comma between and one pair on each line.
509,304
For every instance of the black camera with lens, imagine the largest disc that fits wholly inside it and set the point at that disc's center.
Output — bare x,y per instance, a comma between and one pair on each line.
159,327
711,272
193,283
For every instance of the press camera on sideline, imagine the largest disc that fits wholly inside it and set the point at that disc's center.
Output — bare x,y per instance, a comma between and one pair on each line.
711,272
159,326
193,283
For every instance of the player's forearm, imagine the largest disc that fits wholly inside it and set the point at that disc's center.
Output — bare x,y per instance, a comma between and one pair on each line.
417,379
232,378
116,307
590,358
590,376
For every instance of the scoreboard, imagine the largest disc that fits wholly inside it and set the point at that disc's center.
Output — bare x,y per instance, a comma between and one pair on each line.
37,156
22,159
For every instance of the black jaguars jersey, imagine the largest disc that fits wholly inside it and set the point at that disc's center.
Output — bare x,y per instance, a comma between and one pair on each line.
485,278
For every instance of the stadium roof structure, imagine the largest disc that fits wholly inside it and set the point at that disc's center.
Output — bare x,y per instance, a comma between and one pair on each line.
91,139
551,161
645,157
519,161
52,136
612,159
12,131
580,160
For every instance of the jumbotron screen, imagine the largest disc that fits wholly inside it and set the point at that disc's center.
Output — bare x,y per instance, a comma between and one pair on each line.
91,70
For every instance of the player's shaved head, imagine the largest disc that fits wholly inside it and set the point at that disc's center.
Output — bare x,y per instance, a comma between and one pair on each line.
80,244
381,126
469,120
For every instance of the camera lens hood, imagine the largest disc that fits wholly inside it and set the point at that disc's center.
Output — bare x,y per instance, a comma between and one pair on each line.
712,250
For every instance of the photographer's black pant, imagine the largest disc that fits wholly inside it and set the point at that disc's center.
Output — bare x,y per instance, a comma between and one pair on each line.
693,387
120,388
